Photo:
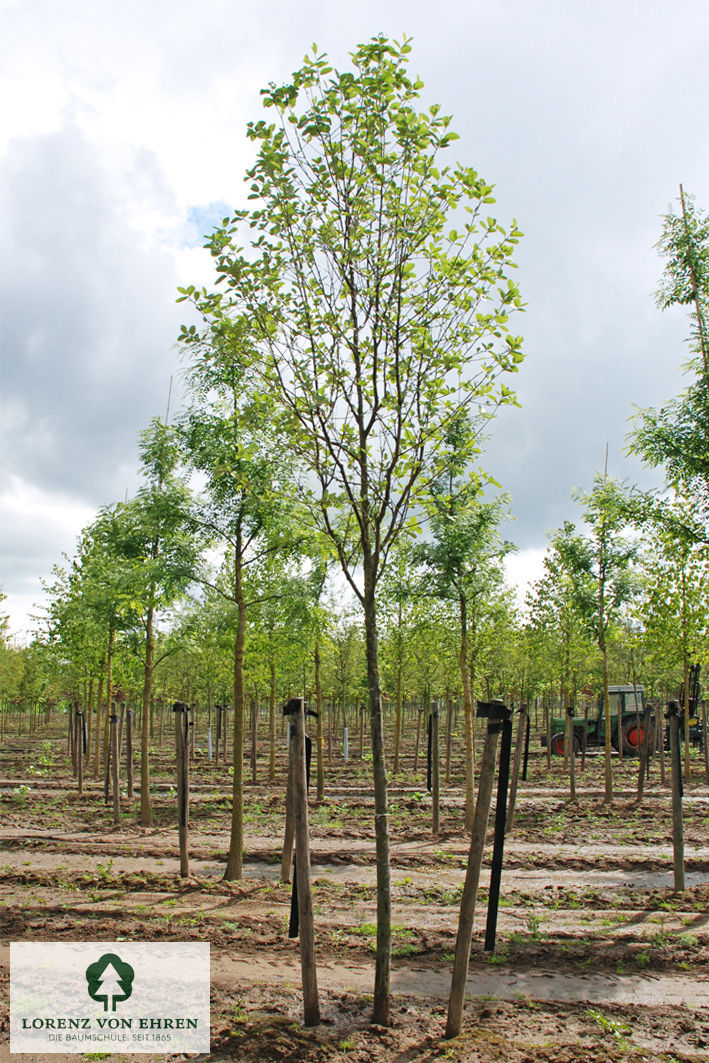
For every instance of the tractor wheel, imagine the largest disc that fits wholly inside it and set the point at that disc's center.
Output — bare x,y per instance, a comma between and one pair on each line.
557,744
633,734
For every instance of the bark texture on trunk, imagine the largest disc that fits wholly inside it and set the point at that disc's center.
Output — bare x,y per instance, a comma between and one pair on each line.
382,974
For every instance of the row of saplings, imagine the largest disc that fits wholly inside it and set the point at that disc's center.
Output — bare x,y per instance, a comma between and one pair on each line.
499,725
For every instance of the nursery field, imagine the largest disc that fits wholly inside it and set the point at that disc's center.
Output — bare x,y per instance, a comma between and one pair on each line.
597,958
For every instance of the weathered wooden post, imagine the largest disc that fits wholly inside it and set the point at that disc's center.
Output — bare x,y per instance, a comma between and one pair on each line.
449,737
522,721
571,751
181,740
472,875
660,745
114,767
361,732
254,738
129,752
80,747
527,729
673,715
70,750
304,929
433,781
219,709
287,854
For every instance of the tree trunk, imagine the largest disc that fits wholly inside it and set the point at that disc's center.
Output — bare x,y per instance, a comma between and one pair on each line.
397,721
306,930
272,722
467,716
236,844
381,1010
146,811
607,719
109,689
318,728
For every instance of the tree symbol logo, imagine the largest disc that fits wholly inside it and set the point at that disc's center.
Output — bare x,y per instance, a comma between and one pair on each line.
110,980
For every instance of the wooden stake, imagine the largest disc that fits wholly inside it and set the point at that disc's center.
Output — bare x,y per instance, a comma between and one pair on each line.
129,753
435,772
181,750
79,743
287,855
114,768
673,715
521,734
472,878
311,1006
571,752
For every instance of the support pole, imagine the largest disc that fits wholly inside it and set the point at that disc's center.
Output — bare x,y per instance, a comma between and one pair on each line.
306,932
472,878
287,855
435,769
526,744
521,730
79,743
571,752
449,720
114,768
673,715
500,817
181,751
129,752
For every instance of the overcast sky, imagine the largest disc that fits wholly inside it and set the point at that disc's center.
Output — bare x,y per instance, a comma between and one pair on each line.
122,140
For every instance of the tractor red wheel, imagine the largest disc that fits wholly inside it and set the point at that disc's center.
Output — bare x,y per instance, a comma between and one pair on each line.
557,744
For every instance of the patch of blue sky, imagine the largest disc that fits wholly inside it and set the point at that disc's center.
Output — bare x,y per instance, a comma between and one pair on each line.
202,219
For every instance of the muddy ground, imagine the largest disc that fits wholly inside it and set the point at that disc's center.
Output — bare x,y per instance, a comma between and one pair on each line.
597,959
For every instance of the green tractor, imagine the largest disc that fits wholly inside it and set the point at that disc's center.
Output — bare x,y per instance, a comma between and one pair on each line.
627,721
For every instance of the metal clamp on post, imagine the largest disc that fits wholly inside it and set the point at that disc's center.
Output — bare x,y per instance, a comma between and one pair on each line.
493,711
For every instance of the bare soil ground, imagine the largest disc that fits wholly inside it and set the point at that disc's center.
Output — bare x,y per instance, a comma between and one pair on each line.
597,959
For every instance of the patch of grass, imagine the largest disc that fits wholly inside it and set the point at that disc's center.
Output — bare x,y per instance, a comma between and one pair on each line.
617,1030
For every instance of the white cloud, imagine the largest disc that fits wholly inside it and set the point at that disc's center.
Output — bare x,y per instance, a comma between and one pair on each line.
38,527
522,569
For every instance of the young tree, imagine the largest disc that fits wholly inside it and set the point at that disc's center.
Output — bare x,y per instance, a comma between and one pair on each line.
227,438
463,561
375,318
674,606
676,436
606,557
559,604
153,534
